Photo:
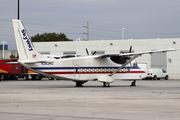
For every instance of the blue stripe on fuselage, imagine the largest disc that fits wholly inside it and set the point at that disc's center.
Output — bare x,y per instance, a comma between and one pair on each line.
55,68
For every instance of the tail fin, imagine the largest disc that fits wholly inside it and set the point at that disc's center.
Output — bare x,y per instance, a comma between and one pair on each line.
25,47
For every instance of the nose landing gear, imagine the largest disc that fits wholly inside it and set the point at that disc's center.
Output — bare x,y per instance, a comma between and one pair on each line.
106,84
133,83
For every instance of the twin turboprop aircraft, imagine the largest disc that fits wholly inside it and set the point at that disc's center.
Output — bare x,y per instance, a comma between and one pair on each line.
80,69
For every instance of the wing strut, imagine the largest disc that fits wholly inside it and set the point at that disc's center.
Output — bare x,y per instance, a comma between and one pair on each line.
124,65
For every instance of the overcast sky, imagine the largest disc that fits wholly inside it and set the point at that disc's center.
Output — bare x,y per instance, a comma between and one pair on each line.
142,19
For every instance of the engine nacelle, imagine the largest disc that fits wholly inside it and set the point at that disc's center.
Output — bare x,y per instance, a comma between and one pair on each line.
120,59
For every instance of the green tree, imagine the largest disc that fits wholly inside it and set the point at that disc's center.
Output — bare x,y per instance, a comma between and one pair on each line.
49,37
12,56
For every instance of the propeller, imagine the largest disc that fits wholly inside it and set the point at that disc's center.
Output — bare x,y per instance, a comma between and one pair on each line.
130,50
94,53
87,51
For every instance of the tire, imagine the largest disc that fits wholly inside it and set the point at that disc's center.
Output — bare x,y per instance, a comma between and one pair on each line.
158,78
50,78
166,77
155,77
25,78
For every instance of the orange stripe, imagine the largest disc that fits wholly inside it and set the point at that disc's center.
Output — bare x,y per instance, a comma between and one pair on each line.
30,71
3,71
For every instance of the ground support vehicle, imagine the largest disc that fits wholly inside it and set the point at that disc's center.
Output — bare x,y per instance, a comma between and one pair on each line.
10,69
30,75
156,74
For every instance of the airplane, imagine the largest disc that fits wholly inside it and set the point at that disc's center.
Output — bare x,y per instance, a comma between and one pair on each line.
80,69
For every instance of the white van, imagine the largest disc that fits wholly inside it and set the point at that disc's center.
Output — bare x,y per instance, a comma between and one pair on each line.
156,74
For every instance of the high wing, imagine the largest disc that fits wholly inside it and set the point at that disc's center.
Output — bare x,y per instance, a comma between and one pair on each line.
137,53
128,58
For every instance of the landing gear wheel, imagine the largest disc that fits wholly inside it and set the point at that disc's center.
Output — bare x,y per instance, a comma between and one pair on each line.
106,84
133,83
79,84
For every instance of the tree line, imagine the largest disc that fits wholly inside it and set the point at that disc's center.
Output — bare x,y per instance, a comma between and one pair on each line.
49,37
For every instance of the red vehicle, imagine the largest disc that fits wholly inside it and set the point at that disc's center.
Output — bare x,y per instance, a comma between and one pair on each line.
10,71
14,71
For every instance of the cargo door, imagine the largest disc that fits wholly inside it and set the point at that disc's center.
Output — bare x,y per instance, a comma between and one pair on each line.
77,72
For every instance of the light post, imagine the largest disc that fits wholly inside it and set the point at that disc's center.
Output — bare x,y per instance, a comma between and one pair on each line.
18,9
123,33
3,47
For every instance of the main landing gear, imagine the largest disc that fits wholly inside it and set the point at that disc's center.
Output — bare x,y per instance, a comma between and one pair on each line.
133,83
106,84
80,83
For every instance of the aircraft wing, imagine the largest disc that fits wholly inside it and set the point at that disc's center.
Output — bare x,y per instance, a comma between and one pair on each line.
137,53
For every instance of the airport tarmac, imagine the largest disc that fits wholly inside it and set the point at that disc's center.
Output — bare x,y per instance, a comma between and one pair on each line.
61,100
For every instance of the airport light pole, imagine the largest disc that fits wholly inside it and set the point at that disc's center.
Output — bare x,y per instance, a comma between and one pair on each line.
123,33
18,9
3,47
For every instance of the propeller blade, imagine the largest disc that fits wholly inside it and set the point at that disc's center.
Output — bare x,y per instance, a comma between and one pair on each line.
87,51
130,49
94,53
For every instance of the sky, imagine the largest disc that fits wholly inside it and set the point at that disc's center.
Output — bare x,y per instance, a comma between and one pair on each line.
142,19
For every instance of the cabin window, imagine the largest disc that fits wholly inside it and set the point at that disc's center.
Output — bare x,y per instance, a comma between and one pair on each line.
76,70
129,70
135,64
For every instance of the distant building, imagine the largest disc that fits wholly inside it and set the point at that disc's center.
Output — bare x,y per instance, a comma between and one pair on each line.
168,61
7,53
5,47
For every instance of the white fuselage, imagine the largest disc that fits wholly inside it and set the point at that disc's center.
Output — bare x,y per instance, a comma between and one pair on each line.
85,68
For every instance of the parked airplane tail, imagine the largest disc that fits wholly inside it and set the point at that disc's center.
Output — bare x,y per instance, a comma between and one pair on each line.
25,47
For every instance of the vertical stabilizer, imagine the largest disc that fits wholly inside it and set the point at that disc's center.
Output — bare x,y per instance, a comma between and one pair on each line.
25,47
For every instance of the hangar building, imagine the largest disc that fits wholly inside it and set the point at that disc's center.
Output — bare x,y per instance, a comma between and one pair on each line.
168,61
